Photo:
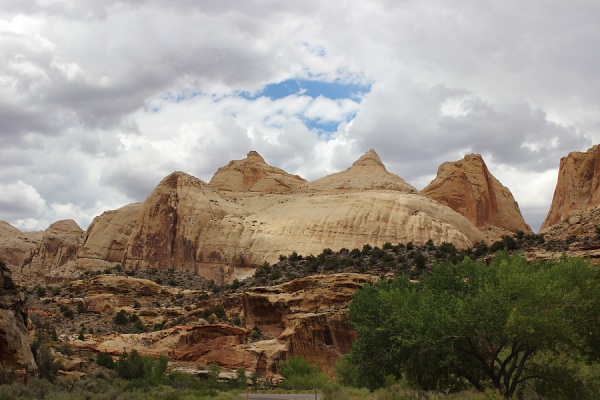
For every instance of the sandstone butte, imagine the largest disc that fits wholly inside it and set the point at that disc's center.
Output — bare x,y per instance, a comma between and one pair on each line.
577,187
16,359
251,213
468,187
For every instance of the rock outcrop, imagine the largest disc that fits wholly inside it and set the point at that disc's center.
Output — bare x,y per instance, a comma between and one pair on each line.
16,359
59,246
468,187
305,317
188,225
253,174
367,173
16,247
107,237
577,187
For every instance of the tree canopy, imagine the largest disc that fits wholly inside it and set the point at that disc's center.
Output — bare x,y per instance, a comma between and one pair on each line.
508,326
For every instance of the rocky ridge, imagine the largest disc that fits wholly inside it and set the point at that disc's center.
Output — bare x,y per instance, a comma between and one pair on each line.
252,212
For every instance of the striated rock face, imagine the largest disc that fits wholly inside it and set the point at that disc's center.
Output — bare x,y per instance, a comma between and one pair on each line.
16,359
367,173
250,214
306,317
16,247
577,187
59,246
253,174
107,237
187,225
468,187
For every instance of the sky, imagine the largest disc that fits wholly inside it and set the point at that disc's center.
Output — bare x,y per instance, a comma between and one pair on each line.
101,99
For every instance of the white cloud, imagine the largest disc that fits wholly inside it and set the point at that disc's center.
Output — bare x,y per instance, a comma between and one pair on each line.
99,101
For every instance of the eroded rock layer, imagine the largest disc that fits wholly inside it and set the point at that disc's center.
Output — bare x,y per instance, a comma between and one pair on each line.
468,187
16,359
577,187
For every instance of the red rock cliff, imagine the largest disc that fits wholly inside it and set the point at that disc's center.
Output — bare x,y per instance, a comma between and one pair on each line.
577,187
468,187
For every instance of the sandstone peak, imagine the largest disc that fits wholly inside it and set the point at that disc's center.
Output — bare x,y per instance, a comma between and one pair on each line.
370,158
577,186
255,157
468,187
253,174
178,178
7,230
366,173
63,226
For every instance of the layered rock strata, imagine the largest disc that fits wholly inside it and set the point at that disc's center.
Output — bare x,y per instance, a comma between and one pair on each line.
16,359
577,187
468,187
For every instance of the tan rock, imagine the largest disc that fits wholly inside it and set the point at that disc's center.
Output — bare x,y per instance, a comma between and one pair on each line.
253,174
468,187
16,247
577,187
367,173
16,359
107,237
59,246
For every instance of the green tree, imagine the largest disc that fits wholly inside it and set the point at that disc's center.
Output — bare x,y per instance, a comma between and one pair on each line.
301,375
507,326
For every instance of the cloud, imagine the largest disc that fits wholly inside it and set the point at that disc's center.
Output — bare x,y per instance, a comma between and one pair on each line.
20,200
99,101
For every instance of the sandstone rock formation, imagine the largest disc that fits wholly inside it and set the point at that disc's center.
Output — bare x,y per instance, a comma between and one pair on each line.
253,174
367,173
107,237
16,247
468,187
16,359
577,187
59,246
306,317
188,225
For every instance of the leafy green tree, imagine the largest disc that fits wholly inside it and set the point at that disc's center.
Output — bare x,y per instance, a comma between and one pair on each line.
508,326
301,375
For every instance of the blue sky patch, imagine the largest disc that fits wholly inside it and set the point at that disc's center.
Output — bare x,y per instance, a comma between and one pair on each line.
331,90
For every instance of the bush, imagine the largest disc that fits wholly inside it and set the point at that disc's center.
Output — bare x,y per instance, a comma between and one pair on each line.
105,360
301,375
121,318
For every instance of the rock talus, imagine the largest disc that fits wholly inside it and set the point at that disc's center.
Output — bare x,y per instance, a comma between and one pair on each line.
468,187
577,187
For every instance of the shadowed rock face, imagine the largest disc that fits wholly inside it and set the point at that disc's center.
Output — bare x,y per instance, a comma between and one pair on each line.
577,187
16,359
468,187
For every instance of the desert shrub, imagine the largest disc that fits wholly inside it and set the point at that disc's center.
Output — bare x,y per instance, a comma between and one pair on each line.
105,360
121,317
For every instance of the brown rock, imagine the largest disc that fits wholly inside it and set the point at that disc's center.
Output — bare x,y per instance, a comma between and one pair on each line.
16,359
16,247
367,173
59,246
253,174
468,187
577,187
